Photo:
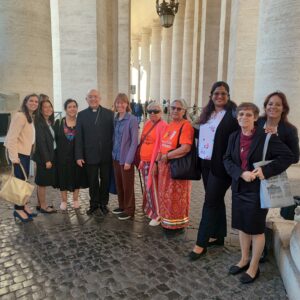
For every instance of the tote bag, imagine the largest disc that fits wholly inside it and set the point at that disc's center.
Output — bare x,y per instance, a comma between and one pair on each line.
15,190
274,191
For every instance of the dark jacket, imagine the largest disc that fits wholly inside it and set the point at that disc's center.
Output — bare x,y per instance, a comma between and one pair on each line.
44,143
277,151
94,135
227,125
288,134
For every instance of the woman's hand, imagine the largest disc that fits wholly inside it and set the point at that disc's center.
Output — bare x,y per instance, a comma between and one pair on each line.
141,164
16,161
164,158
258,173
248,176
48,165
127,166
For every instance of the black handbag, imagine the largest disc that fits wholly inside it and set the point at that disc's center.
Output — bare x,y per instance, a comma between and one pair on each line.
188,166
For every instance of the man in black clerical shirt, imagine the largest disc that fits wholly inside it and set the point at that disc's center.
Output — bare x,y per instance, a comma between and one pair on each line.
93,148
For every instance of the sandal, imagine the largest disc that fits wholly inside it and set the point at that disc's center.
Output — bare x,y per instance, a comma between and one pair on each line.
46,211
39,208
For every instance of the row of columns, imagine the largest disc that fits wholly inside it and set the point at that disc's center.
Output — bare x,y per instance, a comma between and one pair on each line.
249,44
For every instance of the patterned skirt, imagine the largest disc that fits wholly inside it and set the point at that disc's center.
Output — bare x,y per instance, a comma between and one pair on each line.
173,198
150,197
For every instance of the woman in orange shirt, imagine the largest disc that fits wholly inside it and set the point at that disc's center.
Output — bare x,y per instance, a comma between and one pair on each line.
149,147
174,195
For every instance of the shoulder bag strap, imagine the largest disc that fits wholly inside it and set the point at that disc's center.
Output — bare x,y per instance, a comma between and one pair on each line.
143,140
266,146
180,130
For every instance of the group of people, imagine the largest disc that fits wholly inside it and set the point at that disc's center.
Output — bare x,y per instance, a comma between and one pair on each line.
88,148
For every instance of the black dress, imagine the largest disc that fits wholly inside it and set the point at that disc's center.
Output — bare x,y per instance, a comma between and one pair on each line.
69,175
247,215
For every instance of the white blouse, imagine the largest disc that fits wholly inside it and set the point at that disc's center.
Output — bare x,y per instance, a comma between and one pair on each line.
207,133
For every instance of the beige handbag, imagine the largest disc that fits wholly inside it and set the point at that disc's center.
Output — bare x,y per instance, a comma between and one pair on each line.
15,190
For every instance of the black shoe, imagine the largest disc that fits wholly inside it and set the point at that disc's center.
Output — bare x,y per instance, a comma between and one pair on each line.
91,211
246,278
194,256
234,270
124,216
117,211
104,210
217,242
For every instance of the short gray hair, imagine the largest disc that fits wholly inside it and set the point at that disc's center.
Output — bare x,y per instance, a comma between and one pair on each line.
154,104
181,101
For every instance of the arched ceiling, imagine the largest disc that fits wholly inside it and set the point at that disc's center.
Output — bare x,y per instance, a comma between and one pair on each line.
142,14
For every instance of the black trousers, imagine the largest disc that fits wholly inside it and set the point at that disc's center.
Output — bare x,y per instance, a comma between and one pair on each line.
213,222
99,194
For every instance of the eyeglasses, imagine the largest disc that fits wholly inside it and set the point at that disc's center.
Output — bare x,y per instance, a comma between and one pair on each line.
248,115
177,108
153,111
223,94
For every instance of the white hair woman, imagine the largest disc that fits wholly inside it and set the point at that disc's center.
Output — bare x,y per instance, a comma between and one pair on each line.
174,195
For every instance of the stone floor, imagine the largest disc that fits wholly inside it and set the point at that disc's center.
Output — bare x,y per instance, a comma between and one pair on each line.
73,256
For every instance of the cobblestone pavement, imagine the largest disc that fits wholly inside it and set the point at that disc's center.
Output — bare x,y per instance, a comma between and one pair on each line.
73,256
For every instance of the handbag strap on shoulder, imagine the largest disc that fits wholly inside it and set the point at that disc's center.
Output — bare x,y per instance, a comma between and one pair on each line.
22,168
147,133
178,139
266,146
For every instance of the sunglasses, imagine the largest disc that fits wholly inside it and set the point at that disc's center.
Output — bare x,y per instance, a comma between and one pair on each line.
177,108
153,111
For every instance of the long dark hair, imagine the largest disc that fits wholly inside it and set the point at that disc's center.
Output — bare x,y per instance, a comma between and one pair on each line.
24,108
210,107
39,116
285,105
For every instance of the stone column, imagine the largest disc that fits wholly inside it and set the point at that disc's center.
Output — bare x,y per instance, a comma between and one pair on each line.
187,56
196,53
224,39
124,45
76,53
145,64
107,52
242,49
166,56
155,60
209,48
278,53
25,48
135,66
177,52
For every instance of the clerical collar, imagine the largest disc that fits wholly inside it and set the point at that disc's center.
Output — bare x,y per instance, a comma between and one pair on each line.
94,109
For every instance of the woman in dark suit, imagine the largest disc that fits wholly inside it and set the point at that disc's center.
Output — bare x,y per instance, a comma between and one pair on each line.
44,154
245,147
217,122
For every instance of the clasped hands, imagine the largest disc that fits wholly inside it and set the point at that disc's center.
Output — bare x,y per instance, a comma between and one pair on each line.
249,176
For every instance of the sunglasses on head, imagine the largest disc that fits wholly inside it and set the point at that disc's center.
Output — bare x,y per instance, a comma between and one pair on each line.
177,108
153,111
